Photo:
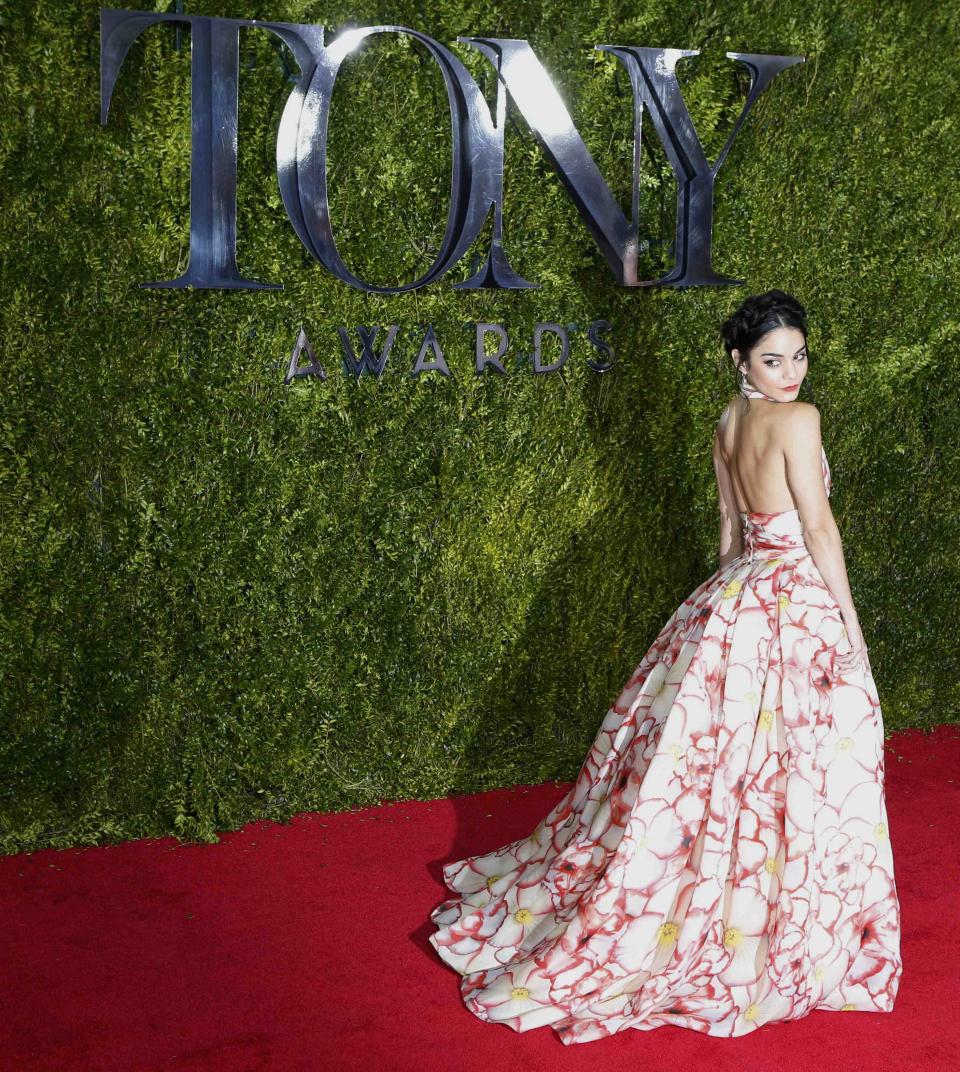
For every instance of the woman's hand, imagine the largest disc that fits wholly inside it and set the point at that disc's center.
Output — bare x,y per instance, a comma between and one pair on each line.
854,659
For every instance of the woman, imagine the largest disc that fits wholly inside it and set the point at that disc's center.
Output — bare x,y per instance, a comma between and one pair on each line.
723,859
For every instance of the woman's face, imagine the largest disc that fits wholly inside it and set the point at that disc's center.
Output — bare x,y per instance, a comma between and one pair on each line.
778,363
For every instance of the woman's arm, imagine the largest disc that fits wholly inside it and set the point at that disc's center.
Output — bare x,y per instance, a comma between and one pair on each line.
820,532
731,531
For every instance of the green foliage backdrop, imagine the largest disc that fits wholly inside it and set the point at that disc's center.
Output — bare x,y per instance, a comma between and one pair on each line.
223,597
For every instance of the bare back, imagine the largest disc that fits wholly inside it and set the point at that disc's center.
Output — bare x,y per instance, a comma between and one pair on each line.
752,446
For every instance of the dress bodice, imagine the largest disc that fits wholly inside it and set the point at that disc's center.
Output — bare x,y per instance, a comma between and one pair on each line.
779,534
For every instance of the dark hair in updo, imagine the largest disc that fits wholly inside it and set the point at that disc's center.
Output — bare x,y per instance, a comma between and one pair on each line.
757,315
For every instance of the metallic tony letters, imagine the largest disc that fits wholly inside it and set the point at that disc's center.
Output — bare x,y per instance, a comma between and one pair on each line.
476,181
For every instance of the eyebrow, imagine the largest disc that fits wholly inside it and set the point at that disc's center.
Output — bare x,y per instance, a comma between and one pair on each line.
771,354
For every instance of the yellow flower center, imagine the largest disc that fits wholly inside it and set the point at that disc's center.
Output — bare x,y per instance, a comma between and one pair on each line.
783,601
845,744
492,879
750,1012
818,972
732,588
770,866
523,915
676,751
732,937
848,1007
519,993
880,830
668,932
766,718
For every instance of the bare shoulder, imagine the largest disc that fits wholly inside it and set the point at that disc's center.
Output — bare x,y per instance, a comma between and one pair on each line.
802,423
722,422
803,416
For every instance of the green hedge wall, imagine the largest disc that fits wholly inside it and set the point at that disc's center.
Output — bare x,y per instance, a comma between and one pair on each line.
223,597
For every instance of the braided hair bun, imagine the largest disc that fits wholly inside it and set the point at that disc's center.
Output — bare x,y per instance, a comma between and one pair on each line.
757,315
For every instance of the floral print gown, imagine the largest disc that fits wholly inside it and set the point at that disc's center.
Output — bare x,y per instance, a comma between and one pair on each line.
722,860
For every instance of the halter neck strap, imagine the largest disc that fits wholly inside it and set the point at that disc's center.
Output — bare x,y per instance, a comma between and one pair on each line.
749,391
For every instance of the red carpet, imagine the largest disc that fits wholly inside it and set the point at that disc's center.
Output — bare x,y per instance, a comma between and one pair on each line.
302,946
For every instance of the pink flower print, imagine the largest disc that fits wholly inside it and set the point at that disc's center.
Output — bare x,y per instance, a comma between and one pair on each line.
519,994
573,872
764,797
714,676
730,780
796,878
601,828
752,855
613,999
759,853
829,954
464,941
480,873
602,913
846,866
863,814
574,978
700,759
875,926
701,1012
800,796
763,1003
744,936
741,687
576,953
664,838
573,1031
854,755
623,794
526,907
787,953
